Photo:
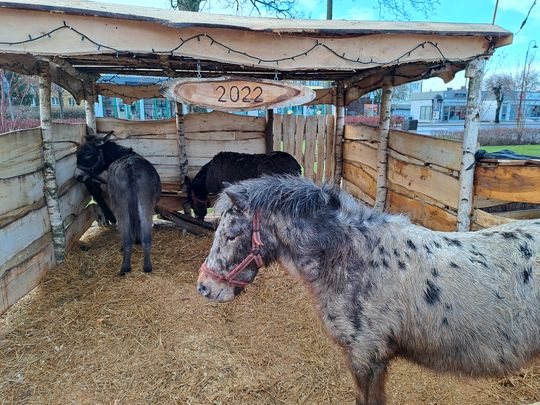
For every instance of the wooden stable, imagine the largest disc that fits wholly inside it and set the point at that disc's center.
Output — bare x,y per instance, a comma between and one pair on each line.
43,210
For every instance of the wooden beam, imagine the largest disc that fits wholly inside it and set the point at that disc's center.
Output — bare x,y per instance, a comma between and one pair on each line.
90,111
180,129
33,66
269,133
49,169
475,73
340,130
128,93
382,149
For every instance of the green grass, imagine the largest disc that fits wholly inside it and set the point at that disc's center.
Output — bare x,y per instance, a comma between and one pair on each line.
533,150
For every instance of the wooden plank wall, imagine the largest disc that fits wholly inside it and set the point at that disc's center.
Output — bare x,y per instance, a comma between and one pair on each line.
156,140
423,174
26,249
310,139
207,134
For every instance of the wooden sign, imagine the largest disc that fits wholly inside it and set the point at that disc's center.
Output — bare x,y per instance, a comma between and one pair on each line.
237,94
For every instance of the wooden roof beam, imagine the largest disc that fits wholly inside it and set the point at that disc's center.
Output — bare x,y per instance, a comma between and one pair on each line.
32,66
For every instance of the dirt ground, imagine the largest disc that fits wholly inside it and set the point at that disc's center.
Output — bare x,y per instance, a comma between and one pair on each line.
87,336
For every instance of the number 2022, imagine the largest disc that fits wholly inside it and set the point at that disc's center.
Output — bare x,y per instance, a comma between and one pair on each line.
236,94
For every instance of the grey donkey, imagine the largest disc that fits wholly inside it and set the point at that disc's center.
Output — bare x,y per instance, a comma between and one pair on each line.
465,303
134,188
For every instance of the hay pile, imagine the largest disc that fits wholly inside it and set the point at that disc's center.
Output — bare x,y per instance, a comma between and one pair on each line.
87,336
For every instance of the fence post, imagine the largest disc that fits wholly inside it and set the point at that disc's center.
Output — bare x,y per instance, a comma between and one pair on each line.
89,109
340,127
474,72
269,133
181,141
382,149
49,166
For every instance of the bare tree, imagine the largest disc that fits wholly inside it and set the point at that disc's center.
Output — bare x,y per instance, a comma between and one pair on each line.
186,5
498,84
401,9
59,91
277,8
17,93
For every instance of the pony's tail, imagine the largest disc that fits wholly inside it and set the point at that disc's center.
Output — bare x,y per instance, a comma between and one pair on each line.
134,220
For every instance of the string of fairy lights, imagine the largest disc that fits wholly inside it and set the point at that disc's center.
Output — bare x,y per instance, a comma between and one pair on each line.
213,41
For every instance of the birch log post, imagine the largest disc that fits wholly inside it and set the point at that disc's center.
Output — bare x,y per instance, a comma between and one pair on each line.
181,141
475,73
49,169
89,109
382,149
340,127
269,135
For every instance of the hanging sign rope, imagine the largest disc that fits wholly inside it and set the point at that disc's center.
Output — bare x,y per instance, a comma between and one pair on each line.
237,94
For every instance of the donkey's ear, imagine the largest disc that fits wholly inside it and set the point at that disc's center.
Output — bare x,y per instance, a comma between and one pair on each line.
238,199
107,137
226,184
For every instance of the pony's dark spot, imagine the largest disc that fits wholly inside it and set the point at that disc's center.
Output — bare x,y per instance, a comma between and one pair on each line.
385,263
499,296
454,266
434,273
382,251
432,293
402,265
411,245
448,306
528,235
396,253
525,250
437,244
453,242
509,235
527,275
445,321
428,250
481,262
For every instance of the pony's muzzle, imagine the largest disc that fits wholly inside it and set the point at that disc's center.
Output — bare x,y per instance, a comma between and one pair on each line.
203,289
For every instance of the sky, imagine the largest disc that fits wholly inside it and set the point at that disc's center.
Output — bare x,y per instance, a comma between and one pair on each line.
510,15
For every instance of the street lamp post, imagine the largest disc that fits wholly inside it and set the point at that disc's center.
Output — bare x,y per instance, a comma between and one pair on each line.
520,115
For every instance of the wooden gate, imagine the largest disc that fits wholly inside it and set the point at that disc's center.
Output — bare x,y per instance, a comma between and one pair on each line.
310,139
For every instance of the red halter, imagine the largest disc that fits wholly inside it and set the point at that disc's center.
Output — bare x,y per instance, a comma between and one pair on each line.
254,255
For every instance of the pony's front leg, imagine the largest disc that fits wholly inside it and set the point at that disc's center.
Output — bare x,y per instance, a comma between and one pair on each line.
370,384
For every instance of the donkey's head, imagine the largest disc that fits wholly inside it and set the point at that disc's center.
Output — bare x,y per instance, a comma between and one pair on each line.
90,160
197,198
238,250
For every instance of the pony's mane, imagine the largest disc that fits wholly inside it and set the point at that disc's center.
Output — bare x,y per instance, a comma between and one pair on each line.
293,197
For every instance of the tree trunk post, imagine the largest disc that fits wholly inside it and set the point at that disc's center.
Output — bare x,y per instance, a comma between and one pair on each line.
90,111
474,72
49,168
382,149
269,135
181,141
340,128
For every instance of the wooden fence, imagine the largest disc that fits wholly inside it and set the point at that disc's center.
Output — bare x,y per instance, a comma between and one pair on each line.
310,139
423,174
26,249
207,134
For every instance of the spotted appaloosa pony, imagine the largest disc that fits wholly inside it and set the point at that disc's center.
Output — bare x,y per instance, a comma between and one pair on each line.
133,185
466,303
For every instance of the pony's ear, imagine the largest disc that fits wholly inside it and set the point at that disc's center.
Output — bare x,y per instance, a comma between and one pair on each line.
238,199
226,184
